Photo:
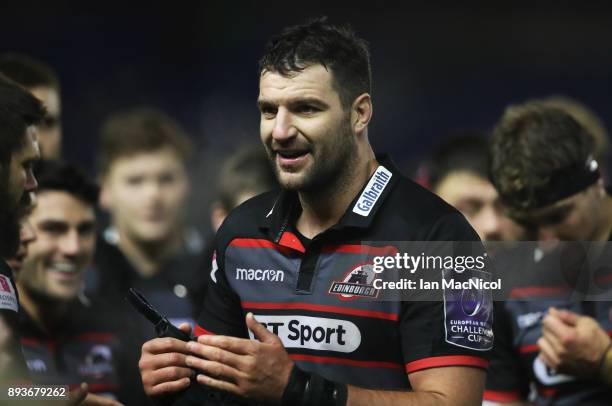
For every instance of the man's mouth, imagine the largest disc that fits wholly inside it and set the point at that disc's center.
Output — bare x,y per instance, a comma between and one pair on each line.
292,154
64,268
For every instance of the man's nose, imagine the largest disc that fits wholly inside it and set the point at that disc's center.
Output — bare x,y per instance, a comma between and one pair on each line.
284,128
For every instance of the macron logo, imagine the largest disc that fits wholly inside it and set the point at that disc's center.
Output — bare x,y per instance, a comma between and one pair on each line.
372,191
271,275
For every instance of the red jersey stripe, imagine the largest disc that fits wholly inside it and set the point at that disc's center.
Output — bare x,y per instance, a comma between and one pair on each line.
260,243
529,348
320,308
446,361
361,249
345,361
502,396
95,336
199,331
537,291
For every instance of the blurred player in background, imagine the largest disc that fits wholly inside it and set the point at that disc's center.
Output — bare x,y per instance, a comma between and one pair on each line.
458,173
552,338
42,82
143,160
66,338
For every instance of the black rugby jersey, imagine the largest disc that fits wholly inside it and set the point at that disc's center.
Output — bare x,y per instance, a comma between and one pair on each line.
88,346
15,370
560,279
325,324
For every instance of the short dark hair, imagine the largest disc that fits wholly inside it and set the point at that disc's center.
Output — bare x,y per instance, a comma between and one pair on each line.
335,47
18,110
27,71
466,151
137,131
63,177
247,170
531,146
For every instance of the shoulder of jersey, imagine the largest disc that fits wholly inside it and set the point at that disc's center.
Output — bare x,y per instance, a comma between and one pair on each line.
248,215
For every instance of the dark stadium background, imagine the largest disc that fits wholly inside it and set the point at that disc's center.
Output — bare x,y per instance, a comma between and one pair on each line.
437,68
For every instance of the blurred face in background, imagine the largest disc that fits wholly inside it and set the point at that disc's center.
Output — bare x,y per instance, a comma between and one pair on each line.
477,199
146,194
580,217
50,130
21,181
64,246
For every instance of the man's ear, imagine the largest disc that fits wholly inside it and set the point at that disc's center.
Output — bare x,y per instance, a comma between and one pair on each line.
361,112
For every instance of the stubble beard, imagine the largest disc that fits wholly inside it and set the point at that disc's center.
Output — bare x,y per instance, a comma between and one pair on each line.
9,222
332,163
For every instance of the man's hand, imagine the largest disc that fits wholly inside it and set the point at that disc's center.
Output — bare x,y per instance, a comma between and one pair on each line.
249,368
572,343
81,397
162,365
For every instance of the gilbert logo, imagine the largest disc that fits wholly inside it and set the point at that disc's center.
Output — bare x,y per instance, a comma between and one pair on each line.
372,191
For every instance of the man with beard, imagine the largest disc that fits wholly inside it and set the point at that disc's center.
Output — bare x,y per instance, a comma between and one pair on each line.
277,253
20,112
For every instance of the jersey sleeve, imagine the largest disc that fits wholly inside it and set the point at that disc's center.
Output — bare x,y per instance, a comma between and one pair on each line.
222,312
449,326
506,381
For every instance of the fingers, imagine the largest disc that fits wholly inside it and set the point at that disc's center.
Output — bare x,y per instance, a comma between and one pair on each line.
548,354
258,329
167,374
97,400
167,387
152,362
240,346
163,370
566,316
215,354
78,395
553,325
164,345
216,369
219,384
185,327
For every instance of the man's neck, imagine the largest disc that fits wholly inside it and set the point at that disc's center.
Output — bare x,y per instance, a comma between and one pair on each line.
323,209
47,314
148,257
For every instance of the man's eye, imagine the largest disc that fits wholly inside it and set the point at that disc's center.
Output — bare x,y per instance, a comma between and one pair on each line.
268,111
167,178
53,228
307,109
134,180
50,122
